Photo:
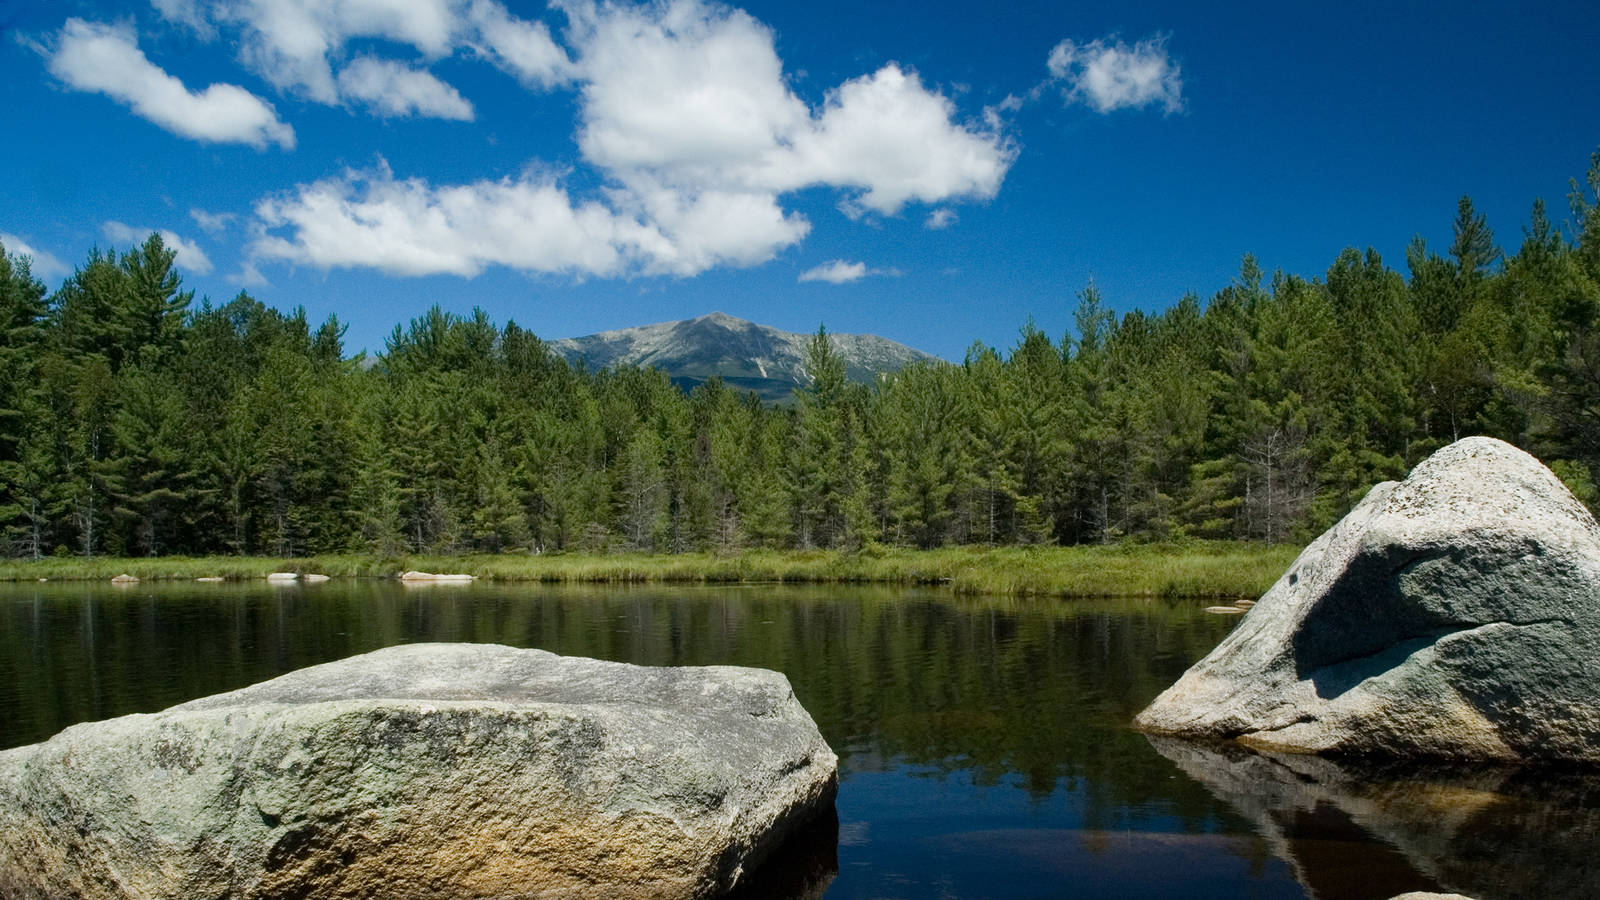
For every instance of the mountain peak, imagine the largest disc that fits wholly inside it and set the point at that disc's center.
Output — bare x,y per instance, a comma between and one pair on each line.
745,354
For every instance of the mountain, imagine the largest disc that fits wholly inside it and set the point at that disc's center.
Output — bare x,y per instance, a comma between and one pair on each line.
748,356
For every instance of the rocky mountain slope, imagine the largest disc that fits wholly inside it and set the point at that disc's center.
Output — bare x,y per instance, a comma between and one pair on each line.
748,356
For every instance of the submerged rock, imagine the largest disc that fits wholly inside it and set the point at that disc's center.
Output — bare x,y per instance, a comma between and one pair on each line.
427,770
124,578
1455,614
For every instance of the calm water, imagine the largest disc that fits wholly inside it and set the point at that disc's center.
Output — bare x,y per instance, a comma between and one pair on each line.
984,748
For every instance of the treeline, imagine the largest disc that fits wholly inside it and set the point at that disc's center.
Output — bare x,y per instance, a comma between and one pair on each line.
134,421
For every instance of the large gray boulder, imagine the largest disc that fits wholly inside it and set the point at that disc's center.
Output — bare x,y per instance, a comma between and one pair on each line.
428,770
1454,614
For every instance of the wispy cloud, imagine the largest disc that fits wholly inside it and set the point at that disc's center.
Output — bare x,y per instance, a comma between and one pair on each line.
189,254
106,59
840,272
943,217
43,265
296,44
1107,74
523,48
212,223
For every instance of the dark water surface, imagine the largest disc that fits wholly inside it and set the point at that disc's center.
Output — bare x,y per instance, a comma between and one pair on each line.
984,748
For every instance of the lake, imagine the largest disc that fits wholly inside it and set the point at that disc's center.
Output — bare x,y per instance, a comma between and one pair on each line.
984,743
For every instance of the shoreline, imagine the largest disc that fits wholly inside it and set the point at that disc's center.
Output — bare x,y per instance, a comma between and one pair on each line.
1197,569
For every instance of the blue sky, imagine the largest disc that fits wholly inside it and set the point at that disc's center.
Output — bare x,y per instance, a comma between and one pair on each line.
934,173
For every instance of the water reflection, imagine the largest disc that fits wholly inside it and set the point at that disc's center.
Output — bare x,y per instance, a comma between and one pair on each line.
984,745
1373,830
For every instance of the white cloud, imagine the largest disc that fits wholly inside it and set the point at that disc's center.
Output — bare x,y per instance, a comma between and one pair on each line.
395,89
188,13
189,254
212,223
291,42
249,276
43,265
1111,76
693,94
943,217
106,59
888,135
296,45
703,228
696,95
407,227
686,113
840,272
525,49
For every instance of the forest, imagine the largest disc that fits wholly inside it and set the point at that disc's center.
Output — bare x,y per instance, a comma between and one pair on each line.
135,420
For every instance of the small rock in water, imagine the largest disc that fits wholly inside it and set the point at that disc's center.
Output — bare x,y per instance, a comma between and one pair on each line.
1244,604
1454,614
1225,610
314,579
124,578
209,578
424,770
282,577
429,576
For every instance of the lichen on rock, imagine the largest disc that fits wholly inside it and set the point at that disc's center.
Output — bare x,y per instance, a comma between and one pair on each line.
427,770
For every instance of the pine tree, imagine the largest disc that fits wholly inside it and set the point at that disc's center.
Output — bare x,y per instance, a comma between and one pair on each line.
642,491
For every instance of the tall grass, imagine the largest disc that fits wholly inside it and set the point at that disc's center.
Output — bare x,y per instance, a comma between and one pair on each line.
1188,569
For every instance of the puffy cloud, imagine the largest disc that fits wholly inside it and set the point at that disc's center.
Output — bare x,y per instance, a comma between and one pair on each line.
682,89
696,95
106,59
685,112
408,227
189,254
840,272
43,265
1111,76
703,228
396,89
890,136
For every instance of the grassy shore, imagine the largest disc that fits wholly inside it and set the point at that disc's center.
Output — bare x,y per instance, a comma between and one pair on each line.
1189,569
